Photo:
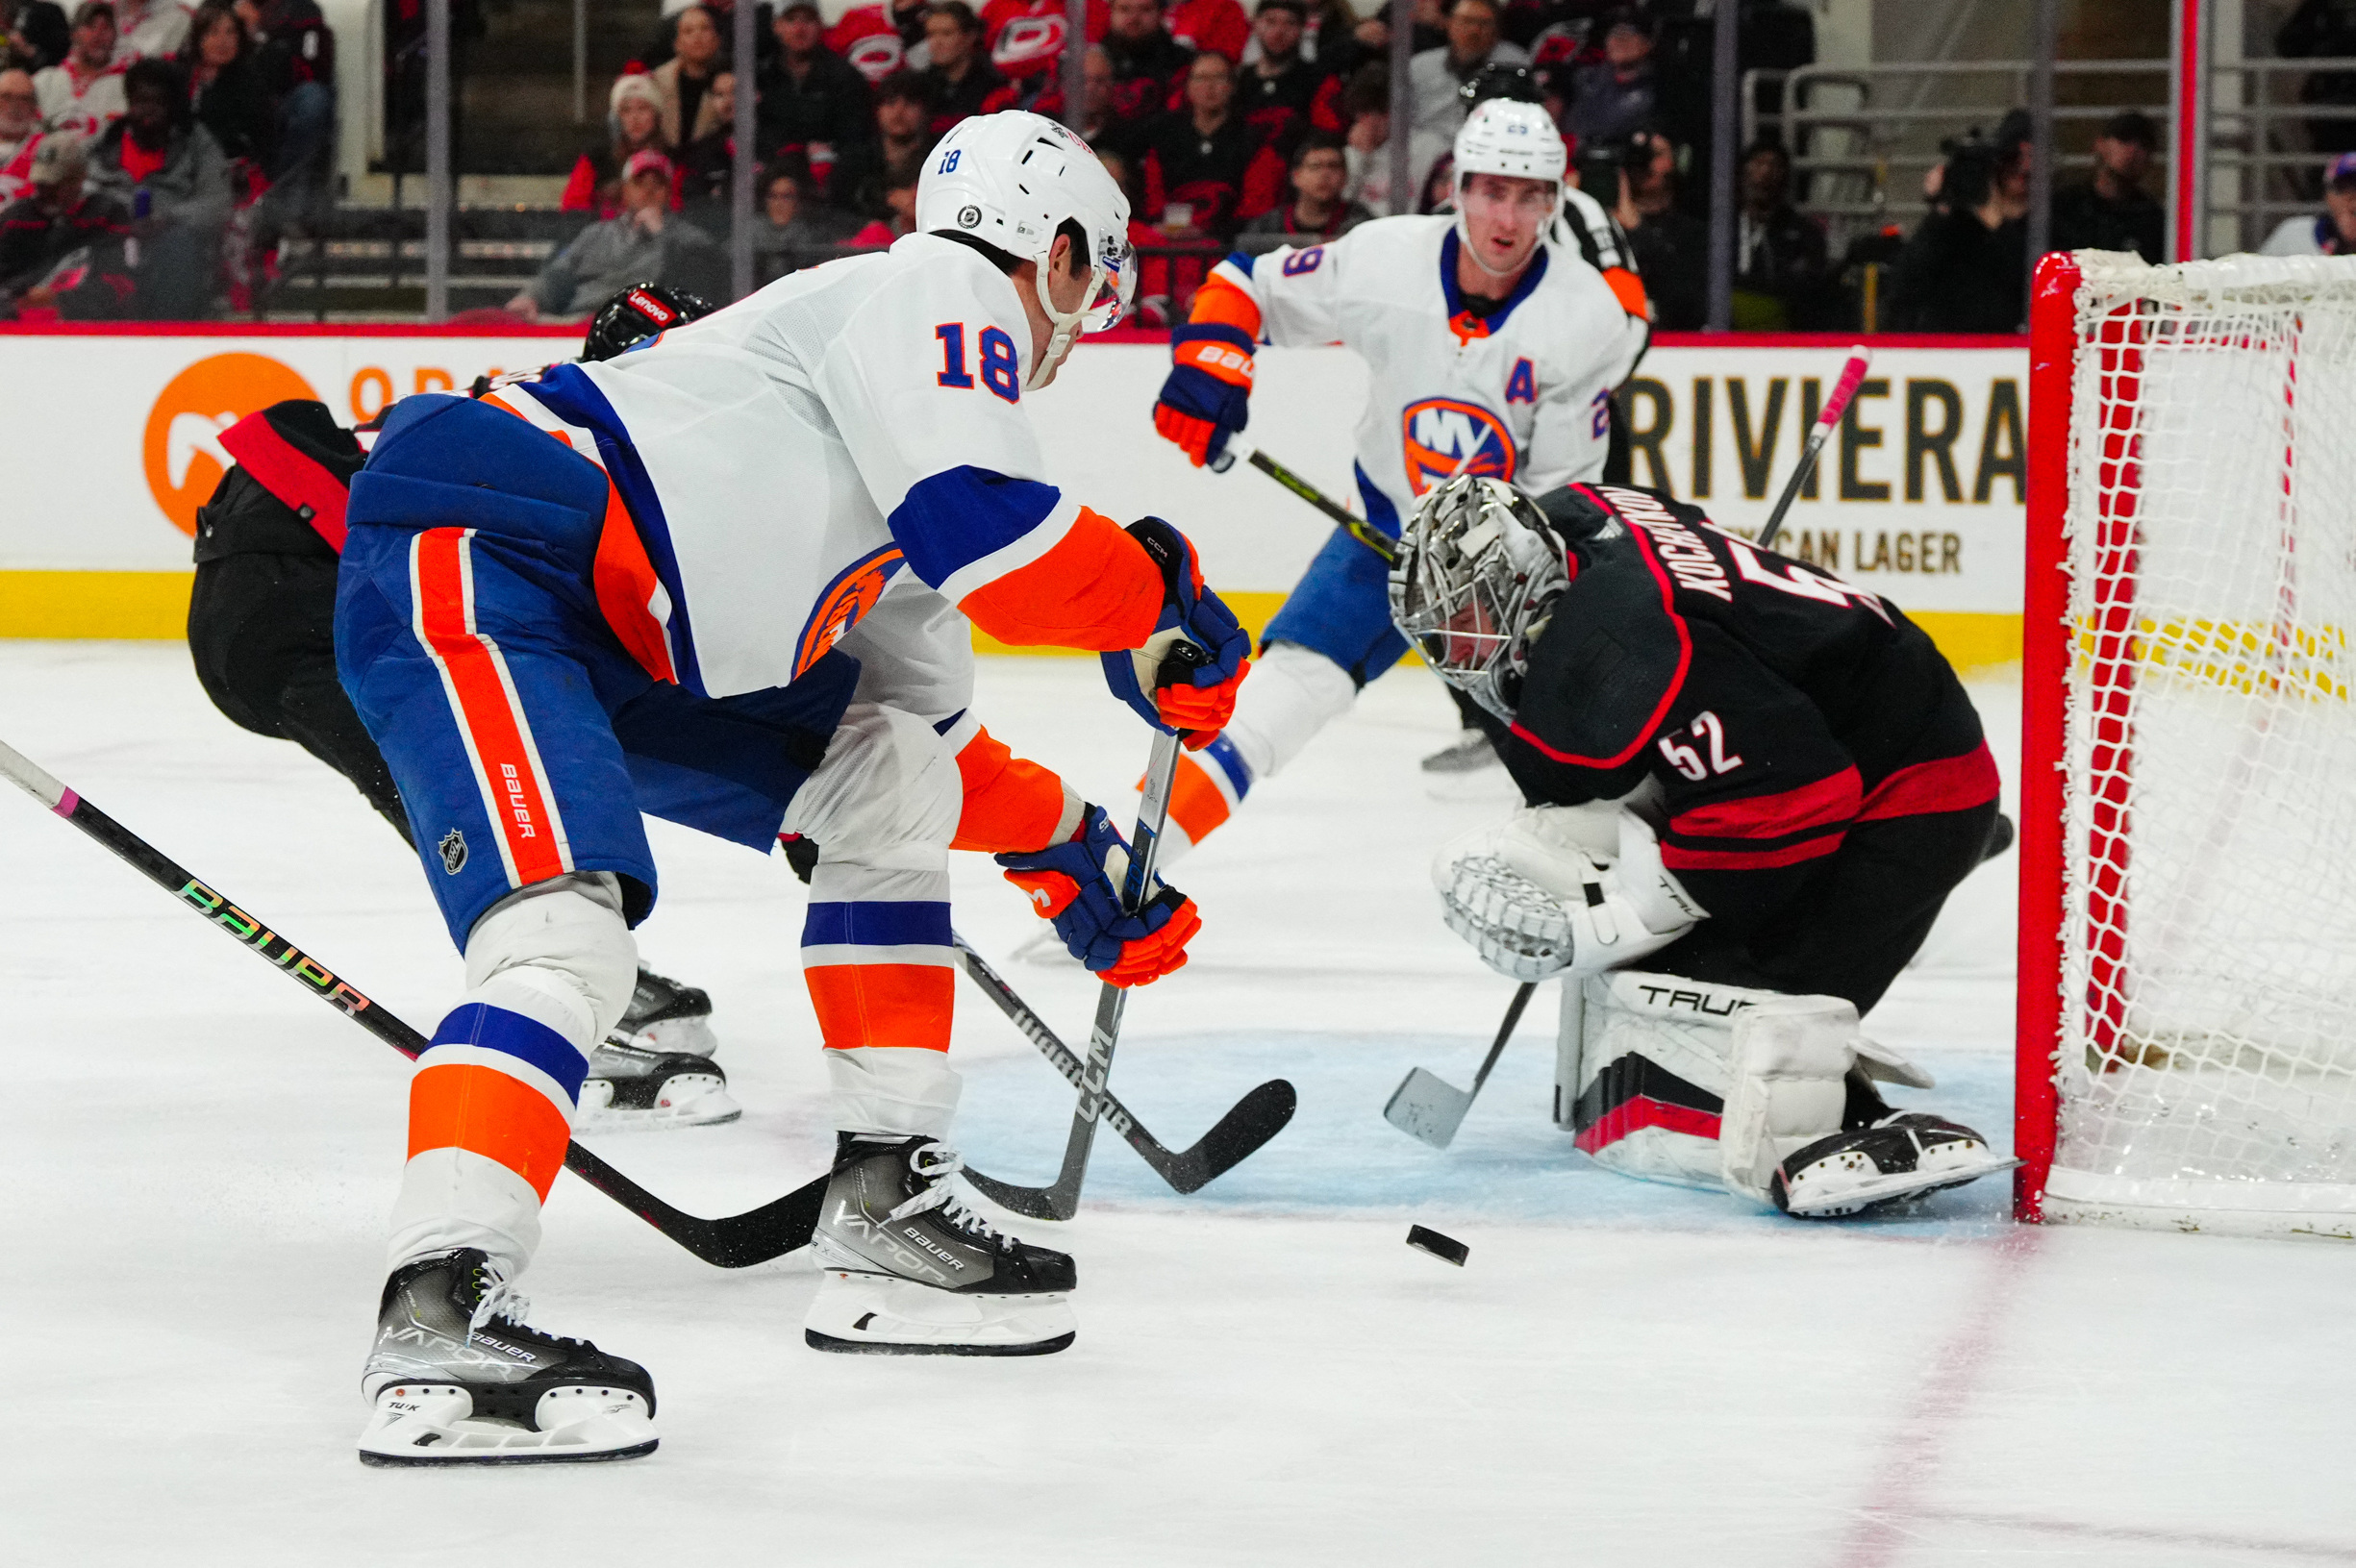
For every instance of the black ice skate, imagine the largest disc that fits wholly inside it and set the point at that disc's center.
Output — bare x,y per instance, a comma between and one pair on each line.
458,1378
909,1270
1901,1156
629,1089
665,1015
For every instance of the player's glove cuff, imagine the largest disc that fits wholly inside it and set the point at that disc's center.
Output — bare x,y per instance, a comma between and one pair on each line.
1184,679
1076,884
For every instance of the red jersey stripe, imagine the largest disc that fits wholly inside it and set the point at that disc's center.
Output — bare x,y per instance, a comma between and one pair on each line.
1951,784
491,717
1678,858
1826,803
481,1109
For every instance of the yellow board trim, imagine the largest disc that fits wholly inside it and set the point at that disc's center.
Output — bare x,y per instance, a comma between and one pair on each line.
153,606
149,605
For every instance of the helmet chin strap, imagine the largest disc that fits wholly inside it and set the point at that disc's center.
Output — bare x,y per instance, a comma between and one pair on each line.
1066,326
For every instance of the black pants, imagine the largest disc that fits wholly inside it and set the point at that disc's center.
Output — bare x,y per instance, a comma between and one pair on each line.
261,629
1857,921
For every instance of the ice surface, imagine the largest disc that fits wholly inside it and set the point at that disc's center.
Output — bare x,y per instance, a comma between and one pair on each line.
200,1160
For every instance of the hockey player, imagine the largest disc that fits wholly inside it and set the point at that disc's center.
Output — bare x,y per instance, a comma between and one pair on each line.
1760,783
260,631
1493,348
728,578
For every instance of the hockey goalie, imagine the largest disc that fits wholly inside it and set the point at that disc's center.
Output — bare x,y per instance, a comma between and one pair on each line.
1751,787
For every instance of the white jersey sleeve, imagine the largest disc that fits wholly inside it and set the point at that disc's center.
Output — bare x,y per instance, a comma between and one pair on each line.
925,384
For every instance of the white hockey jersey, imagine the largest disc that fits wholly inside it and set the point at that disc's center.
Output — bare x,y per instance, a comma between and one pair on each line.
1524,393
850,434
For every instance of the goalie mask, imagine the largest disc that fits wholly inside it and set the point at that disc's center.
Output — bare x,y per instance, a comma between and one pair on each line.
1478,569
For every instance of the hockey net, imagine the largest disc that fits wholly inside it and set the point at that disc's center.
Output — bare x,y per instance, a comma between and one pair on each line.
2188,975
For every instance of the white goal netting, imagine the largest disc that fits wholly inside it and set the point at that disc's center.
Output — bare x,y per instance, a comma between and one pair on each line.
2207,1064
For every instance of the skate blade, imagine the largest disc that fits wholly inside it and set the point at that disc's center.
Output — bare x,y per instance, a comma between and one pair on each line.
875,1315
427,1424
679,1036
1898,1186
690,1100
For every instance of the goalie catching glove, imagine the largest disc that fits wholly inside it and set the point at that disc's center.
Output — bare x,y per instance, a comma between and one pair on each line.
1576,888
1077,885
1184,679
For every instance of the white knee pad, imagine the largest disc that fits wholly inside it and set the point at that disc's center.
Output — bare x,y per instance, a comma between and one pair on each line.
562,941
1788,1083
1291,693
887,797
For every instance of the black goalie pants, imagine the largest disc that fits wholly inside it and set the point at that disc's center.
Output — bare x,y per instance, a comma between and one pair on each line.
1856,922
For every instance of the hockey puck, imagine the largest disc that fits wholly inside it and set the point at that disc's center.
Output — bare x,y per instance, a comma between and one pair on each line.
1447,1248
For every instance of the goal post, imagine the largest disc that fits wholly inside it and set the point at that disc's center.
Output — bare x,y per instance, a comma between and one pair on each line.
2186,1008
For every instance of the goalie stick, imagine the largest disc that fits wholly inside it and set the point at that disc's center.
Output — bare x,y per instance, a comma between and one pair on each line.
1060,1200
733,1242
1256,1118
1427,1106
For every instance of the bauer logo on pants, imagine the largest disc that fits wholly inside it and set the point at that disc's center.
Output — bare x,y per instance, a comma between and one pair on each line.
182,453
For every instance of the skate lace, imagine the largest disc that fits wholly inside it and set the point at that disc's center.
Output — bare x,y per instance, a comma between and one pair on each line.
935,1163
503,1302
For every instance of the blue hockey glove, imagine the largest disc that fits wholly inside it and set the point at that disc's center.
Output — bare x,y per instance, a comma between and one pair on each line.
1184,679
1077,884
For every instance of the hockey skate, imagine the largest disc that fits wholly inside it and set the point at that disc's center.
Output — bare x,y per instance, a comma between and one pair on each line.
457,1377
656,1069
1470,770
909,1270
1902,1155
665,1015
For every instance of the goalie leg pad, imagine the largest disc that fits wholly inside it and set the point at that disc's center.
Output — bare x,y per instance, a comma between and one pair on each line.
1902,1155
1651,1055
1788,1085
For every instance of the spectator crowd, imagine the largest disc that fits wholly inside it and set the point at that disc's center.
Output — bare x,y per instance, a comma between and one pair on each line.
152,153
1225,126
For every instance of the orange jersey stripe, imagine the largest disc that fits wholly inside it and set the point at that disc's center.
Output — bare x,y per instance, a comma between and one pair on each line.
484,701
1221,303
1195,803
1011,804
481,1109
1096,590
903,1005
628,590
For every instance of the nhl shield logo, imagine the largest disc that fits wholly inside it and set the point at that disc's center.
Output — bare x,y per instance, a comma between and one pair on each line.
969,216
454,852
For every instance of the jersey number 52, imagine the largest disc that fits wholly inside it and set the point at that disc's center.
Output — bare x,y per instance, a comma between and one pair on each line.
1688,759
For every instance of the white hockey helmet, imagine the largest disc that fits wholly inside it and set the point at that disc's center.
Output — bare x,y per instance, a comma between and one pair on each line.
1013,180
1503,135
1478,569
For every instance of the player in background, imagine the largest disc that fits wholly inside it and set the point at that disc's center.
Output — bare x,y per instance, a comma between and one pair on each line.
1493,348
261,634
730,579
1754,780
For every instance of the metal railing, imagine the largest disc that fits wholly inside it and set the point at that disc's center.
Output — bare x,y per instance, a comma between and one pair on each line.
1863,138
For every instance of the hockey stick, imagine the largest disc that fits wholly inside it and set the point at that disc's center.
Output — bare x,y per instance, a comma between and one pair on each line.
1851,375
1349,522
1256,1118
1060,1199
1427,1106
754,1236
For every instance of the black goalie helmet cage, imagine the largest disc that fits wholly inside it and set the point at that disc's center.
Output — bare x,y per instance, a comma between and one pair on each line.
1478,569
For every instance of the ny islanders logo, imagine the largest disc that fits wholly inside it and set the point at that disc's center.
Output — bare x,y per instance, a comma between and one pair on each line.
850,595
1443,432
